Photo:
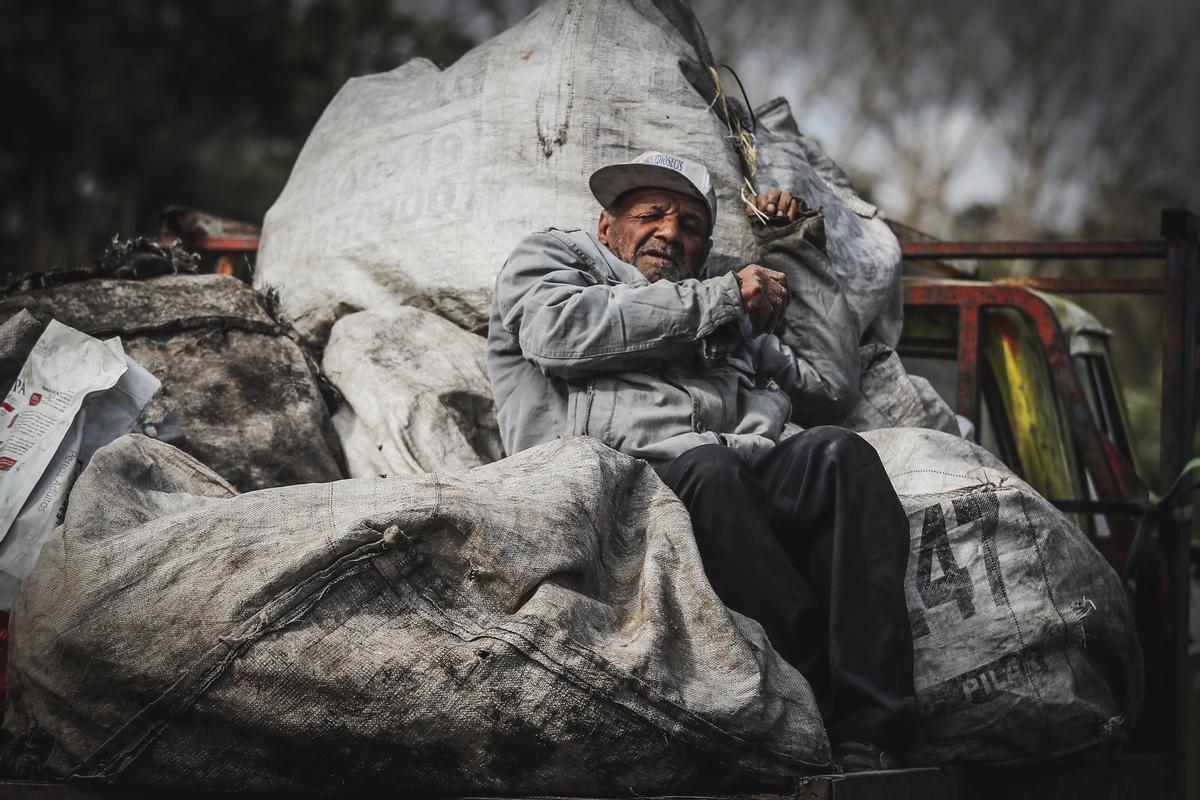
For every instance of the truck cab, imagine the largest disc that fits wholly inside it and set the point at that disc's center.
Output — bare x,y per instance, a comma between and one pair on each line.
1021,416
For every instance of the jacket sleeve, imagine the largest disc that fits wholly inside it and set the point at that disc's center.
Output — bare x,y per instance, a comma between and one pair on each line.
570,322
819,393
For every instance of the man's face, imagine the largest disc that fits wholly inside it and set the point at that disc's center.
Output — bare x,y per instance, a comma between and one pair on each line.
662,233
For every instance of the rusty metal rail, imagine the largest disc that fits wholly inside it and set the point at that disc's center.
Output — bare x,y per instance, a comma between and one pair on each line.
227,244
1008,251
1087,285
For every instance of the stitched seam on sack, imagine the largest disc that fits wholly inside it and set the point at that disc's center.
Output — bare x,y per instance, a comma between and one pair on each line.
679,722
1020,634
415,568
330,528
221,323
1053,604
1041,560
466,629
112,766
1025,666
128,742
937,472
956,492
653,700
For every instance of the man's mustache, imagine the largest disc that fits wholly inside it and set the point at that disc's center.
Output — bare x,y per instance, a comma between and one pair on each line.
668,250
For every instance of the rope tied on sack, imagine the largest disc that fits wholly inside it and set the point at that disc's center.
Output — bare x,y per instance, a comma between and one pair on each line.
744,141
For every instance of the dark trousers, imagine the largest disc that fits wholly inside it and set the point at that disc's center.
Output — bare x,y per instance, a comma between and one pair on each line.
810,540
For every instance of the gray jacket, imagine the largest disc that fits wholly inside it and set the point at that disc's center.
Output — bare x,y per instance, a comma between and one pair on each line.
580,343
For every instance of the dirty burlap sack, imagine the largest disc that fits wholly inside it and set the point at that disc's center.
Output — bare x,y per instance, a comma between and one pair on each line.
237,393
1024,643
541,625
415,392
863,252
820,326
889,397
416,184
18,334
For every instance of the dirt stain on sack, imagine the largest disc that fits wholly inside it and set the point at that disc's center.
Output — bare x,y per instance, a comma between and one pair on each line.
560,138
548,142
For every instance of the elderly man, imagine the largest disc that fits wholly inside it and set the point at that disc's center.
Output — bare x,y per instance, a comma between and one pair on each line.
617,336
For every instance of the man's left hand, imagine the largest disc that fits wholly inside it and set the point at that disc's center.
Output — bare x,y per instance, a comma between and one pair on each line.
776,204
764,297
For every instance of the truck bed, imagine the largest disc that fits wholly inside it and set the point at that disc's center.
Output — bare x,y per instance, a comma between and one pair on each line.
1137,776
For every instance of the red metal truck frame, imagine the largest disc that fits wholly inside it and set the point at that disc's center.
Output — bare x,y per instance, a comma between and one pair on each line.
1167,677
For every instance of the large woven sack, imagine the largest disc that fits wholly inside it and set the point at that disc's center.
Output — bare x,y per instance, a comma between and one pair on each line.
889,397
416,184
18,334
863,251
1024,643
541,625
416,396
237,392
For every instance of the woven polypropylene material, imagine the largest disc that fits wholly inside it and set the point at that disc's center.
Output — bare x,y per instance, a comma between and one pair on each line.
864,254
540,625
1024,642
416,394
18,334
416,184
889,397
243,392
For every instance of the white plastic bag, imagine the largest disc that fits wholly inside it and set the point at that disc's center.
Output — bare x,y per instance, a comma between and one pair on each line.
74,395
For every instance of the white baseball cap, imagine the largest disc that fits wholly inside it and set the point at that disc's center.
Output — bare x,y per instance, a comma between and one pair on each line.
659,171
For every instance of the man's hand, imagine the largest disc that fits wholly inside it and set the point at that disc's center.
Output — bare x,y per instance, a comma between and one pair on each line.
764,296
776,204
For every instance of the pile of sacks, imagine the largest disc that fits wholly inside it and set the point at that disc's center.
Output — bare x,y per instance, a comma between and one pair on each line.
237,391
539,625
528,625
416,184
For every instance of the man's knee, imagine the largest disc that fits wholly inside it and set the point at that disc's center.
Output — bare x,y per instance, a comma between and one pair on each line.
843,447
703,468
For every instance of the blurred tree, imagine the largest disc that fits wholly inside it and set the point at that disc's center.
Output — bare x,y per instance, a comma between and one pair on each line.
118,108
1066,118
993,120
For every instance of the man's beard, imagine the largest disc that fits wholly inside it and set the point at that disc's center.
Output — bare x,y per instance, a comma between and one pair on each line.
660,268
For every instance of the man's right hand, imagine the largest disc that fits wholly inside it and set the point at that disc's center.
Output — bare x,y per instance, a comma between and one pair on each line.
764,297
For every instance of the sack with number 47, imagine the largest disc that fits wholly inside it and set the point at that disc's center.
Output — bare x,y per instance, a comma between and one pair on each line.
1024,643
